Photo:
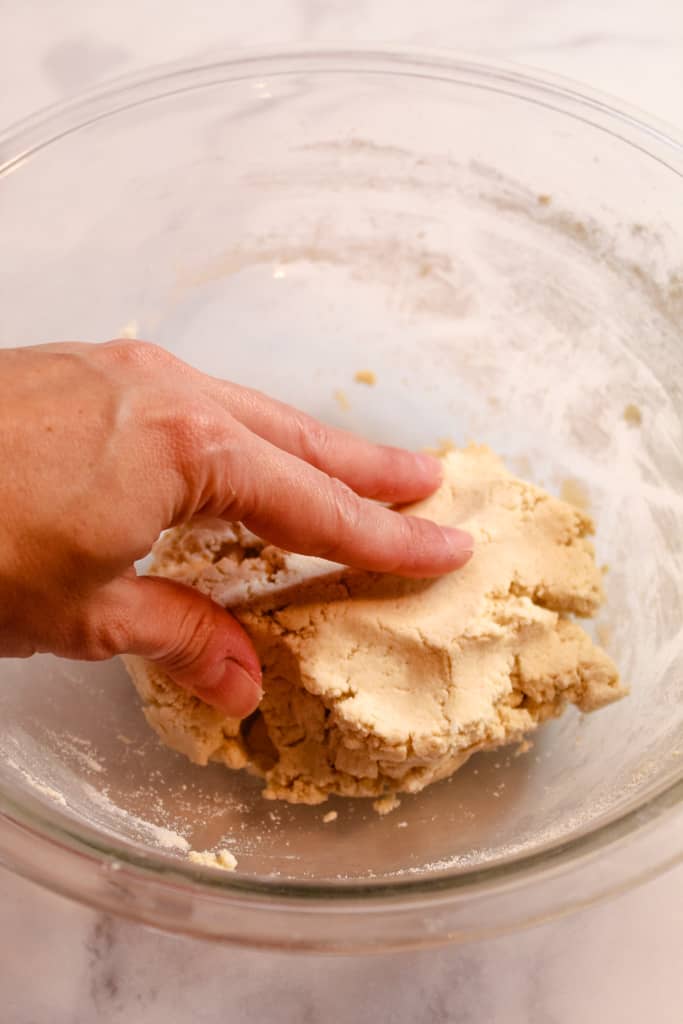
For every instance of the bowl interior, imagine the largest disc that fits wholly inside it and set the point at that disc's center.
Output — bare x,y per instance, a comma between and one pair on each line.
509,272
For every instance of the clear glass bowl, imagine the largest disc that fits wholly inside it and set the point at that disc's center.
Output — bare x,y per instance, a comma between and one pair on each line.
504,253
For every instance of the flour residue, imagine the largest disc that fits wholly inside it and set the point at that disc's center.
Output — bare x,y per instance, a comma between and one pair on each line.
146,831
79,749
41,787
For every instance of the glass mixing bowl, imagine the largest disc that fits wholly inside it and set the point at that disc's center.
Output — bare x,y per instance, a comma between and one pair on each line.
504,253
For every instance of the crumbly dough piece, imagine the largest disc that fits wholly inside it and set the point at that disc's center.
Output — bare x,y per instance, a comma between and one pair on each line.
377,685
221,859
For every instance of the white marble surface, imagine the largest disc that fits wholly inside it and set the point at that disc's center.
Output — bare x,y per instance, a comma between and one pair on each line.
53,48
620,962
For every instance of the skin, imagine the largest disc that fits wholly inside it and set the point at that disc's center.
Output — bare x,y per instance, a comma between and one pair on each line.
104,446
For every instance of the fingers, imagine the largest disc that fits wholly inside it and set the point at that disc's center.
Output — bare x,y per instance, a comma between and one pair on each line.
374,471
218,465
201,646
297,507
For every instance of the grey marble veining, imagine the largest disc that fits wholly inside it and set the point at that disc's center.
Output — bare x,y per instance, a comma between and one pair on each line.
66,964
615,963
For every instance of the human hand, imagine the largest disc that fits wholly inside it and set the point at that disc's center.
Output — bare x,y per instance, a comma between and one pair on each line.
104,446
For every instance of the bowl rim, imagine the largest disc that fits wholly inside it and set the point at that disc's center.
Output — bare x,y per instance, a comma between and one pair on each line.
28,137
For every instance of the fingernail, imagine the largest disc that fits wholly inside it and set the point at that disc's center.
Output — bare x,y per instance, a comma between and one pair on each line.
237,693
460,543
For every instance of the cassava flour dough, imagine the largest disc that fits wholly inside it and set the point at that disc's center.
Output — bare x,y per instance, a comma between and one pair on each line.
376,685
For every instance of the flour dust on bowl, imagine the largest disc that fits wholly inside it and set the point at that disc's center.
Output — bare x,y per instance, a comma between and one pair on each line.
499,256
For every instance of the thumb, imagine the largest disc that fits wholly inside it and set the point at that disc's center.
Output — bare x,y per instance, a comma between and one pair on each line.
196,642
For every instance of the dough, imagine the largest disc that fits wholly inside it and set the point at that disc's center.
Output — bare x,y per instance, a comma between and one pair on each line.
376,685
222,859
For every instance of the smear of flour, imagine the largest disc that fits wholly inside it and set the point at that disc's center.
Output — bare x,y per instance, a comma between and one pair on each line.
79,749
146,831
41,787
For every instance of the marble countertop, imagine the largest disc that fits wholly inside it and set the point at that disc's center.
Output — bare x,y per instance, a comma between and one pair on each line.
618,962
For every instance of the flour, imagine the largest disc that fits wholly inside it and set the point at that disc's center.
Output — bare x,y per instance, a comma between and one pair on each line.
146,831
41,787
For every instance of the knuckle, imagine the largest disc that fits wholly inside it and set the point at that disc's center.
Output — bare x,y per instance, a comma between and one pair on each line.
91,549
206,450
391,464
346,514
314,439
194,432
191,645
98,634
418,534
135,354
347,505
191,425
113,635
